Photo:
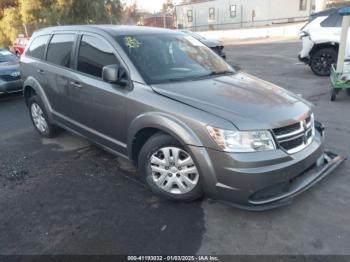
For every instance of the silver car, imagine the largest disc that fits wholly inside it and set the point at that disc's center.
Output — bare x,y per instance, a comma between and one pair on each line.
190,123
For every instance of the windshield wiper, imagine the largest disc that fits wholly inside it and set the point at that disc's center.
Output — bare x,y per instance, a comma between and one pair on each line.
179,79
193,78
226,72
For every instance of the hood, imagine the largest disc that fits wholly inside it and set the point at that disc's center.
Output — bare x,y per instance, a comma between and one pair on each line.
247,102
211,42
8,67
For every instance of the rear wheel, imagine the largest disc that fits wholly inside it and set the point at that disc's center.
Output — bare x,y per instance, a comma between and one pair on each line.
322,60
348,91
169,170
40,118
334,94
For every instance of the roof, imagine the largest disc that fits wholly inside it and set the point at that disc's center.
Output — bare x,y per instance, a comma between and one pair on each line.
325,12
114,30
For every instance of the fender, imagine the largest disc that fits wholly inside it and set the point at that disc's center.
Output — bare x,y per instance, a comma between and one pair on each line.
164,122
31,82
320,43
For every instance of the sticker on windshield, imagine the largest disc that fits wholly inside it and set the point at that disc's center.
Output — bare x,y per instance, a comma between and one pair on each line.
131,42
194,41
5,52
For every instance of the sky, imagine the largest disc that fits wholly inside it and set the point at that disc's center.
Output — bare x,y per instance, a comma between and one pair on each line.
149,5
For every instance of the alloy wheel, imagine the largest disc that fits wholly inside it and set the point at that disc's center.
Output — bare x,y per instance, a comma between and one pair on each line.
322,63
38,118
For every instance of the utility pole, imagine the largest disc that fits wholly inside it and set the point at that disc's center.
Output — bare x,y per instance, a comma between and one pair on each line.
25,29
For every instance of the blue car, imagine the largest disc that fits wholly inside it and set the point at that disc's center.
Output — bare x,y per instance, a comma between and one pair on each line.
10,75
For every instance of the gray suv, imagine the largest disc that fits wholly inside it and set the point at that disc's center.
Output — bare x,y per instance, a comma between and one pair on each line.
189,122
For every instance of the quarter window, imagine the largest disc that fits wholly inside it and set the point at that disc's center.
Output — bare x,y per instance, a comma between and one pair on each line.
233,11
333,20
37,47
189,16
212,13
302,5
60,49
94,54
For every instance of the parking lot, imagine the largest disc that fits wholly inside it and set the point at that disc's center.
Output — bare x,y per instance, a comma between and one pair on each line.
66,196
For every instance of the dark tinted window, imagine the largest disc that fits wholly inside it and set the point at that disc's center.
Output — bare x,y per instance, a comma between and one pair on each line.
333,20
94,54
37,47
60,49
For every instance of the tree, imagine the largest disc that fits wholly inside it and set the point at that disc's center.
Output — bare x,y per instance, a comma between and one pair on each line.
88,12
6,4
168,7
130,14
34,14
10,25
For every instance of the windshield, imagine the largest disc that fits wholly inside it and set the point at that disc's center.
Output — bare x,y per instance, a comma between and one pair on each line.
193,34
7,56
163,58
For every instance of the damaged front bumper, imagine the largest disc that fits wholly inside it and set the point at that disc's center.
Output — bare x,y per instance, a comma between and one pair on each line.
265,180
267,198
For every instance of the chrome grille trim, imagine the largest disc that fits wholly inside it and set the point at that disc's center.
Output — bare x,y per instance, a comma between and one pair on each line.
305,127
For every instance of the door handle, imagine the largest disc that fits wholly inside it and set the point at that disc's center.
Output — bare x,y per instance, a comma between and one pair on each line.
76,84
41,71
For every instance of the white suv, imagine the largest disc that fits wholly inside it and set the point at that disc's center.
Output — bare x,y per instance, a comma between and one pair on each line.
321,38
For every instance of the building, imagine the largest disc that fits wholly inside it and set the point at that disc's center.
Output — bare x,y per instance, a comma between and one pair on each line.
228,14
335,3
157,20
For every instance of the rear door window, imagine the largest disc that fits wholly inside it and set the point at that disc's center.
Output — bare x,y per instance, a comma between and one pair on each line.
37,47
94,54
60,49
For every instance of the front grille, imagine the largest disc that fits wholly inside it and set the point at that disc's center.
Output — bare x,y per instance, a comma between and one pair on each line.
295,137
9,78
287,129
288,145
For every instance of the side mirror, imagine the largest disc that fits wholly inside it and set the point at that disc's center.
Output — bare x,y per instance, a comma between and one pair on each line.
116,74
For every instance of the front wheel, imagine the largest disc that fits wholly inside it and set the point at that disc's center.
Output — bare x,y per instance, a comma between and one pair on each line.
40,118
169,170
348,91
322,60
334,93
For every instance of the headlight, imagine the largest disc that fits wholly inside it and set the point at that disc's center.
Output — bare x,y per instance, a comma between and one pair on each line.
242,141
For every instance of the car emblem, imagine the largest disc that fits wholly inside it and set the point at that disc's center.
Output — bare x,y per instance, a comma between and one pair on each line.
15,73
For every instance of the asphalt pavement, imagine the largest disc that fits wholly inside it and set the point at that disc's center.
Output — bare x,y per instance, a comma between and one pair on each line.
66,196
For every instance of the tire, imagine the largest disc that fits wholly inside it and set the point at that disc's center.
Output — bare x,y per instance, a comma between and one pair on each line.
40,119
322,60
334,94
348,91
176,180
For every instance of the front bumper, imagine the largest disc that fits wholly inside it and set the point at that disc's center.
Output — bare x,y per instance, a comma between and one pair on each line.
305,60
304,55
263,180
220,52
222,55
11,86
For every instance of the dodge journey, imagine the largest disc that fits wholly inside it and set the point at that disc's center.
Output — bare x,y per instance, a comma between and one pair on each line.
191,124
